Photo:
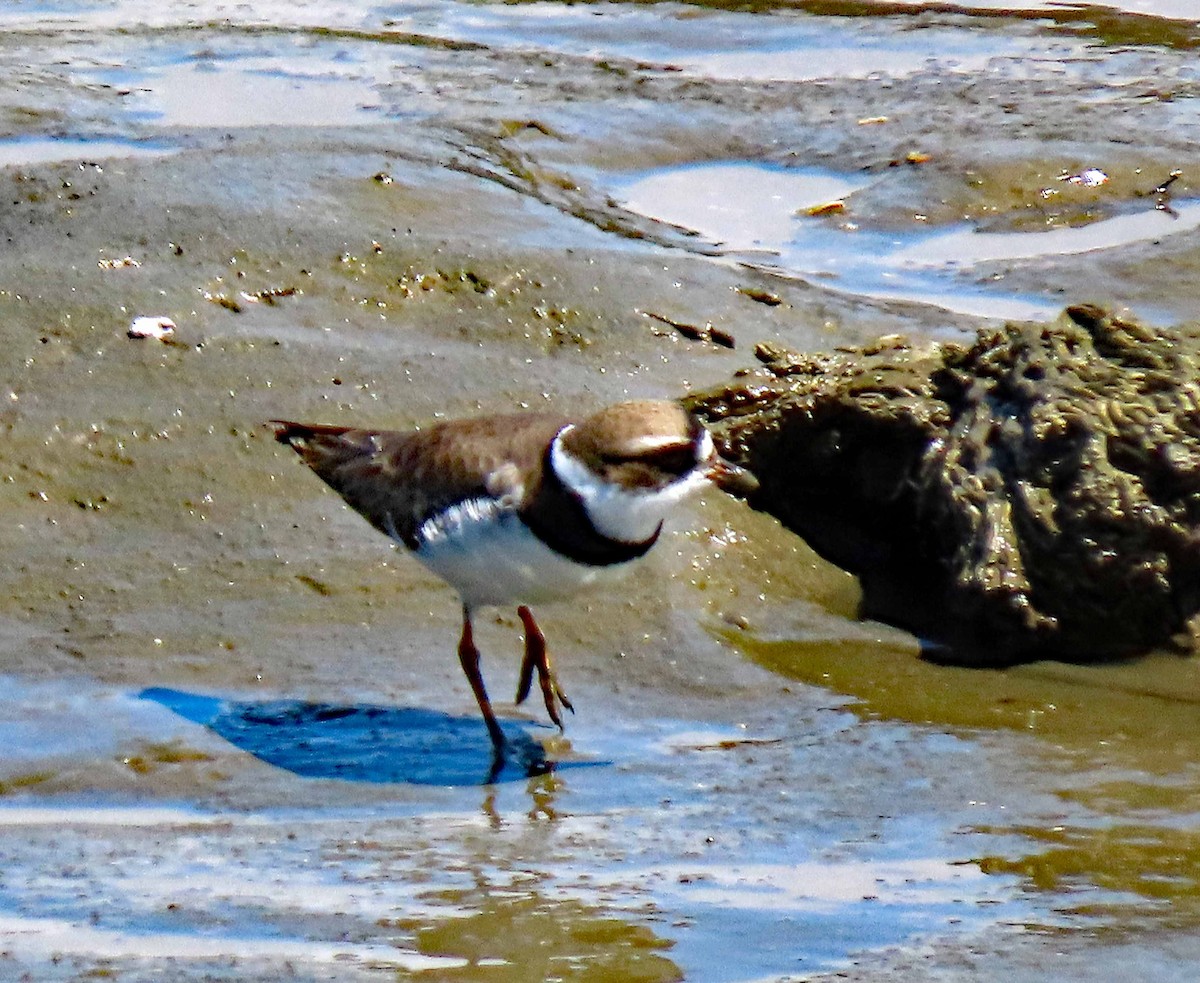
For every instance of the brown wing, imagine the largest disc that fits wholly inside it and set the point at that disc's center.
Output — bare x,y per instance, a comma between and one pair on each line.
397,480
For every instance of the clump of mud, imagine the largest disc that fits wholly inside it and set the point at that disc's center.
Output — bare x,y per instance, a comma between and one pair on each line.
1034,494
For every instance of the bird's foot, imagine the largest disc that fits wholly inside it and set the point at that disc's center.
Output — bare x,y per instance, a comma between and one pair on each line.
554,697
537,658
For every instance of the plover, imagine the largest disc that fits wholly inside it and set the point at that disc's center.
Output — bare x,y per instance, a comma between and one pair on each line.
521,508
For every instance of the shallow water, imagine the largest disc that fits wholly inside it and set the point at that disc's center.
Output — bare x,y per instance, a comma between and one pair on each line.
716,44
758,214
236,741
645,857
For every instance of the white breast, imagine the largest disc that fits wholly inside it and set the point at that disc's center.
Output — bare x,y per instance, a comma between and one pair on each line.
486,553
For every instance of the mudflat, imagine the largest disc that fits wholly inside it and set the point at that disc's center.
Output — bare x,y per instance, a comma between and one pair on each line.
236,739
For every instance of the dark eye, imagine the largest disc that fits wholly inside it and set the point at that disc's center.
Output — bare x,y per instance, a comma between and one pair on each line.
672,460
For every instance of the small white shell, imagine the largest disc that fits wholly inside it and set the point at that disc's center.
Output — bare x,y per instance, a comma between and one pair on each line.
151,327
1092,177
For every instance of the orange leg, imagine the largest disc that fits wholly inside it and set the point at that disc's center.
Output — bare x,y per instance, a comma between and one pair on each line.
468,655
537,658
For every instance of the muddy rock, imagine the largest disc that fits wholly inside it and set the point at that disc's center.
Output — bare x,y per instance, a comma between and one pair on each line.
1035,494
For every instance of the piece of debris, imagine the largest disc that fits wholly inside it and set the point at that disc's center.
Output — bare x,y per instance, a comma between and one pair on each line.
761,296
829,208
510,127
267,296
731,744
159,328
719,336
1091,177
1162,194
222,300
912,157
1163,188
694,332
124,263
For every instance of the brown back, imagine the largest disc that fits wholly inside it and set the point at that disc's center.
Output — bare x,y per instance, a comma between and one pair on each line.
398,479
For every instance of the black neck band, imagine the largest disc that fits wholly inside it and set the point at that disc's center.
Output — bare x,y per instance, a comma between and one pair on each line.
557,517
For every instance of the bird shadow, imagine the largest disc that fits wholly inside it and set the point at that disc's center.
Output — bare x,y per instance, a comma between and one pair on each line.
363,743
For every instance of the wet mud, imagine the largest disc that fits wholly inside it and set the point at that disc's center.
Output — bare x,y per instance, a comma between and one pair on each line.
218,683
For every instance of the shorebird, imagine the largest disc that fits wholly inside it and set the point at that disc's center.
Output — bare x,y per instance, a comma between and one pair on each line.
521,508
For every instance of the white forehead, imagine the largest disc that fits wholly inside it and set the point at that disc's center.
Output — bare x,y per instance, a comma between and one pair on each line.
648,443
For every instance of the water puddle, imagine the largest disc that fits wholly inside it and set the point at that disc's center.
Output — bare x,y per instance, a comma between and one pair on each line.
738,205
717,44
46,150
1177,9
759,214
127,13
241,95
239,78
59,938
136,15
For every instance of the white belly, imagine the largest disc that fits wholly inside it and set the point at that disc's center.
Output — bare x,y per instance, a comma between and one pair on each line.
489,556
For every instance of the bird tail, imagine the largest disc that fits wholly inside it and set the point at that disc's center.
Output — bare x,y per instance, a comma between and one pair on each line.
288,431
327,449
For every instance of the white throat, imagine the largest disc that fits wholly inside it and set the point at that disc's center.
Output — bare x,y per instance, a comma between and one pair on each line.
630,515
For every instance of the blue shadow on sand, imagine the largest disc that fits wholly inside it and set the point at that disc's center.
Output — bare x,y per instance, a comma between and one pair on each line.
376,744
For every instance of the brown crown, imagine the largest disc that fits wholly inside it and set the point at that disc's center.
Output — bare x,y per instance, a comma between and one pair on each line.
642,444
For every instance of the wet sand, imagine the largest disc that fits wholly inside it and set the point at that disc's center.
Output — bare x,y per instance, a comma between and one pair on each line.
237,743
